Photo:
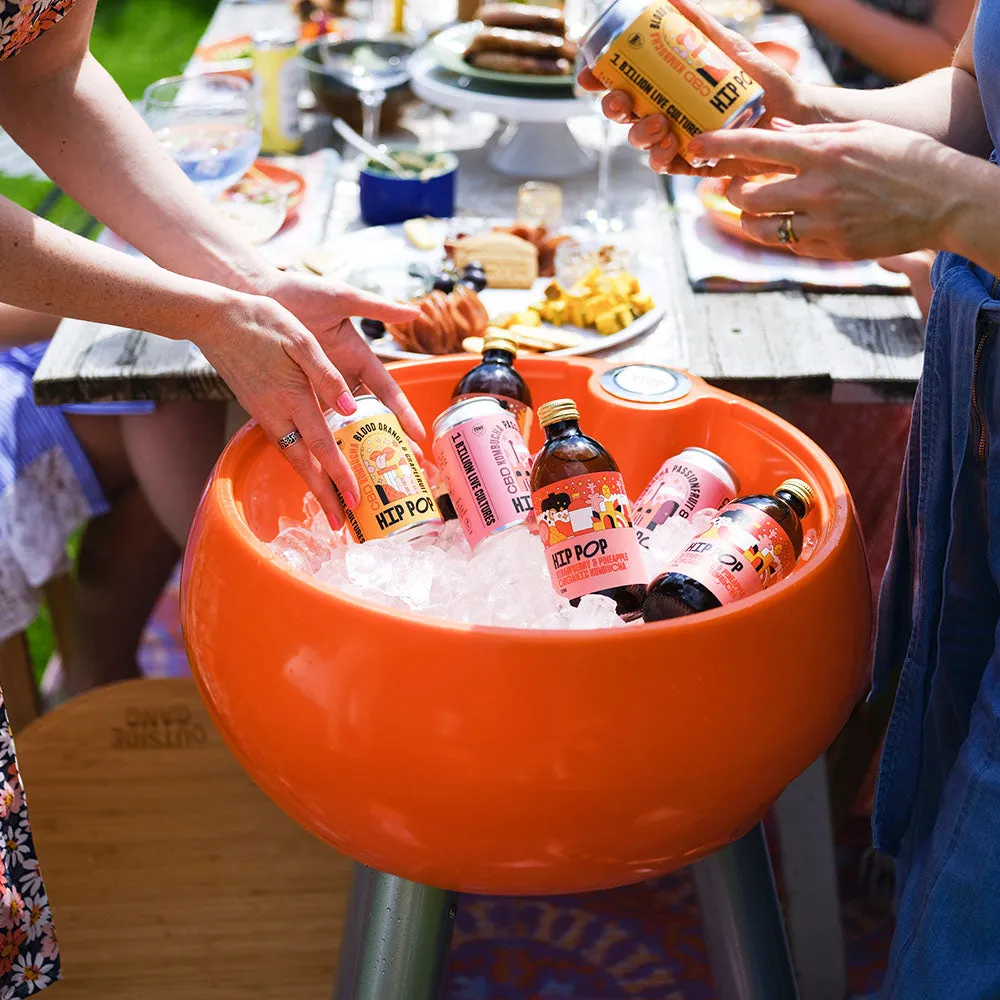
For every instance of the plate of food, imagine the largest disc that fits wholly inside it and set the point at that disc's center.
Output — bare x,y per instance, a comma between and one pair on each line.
509,43
231,55
555,292
263,201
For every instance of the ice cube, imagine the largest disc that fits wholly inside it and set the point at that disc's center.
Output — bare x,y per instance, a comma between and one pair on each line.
670,539
595,611
301,548
810,540
505,583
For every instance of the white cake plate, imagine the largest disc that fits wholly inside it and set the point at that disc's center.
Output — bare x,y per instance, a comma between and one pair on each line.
537,142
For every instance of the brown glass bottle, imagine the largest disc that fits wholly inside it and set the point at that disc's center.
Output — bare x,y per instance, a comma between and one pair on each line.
755,541
583,515
496,376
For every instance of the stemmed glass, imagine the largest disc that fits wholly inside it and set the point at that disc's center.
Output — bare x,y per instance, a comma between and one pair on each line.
371,65
599,216
208,124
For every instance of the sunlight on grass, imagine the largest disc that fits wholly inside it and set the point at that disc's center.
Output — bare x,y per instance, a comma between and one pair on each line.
139,41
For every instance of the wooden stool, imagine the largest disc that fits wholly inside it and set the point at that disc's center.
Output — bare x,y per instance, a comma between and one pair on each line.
170,874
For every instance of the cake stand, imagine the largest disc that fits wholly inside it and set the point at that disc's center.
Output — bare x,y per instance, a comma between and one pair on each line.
537,142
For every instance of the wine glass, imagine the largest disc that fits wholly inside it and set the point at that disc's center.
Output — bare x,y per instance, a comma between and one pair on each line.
599,216
372,65
208,124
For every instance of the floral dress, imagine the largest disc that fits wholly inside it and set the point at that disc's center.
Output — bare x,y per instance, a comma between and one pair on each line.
29,955
22,21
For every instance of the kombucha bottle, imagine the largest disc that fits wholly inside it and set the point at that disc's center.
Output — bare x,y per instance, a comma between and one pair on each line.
754,542
583,515
496,376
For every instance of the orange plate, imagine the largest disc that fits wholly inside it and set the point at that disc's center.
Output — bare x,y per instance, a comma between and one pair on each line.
723,214
223,51
282,176
511,761
784,55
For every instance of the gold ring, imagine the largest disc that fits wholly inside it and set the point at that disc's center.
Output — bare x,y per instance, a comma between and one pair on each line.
786,230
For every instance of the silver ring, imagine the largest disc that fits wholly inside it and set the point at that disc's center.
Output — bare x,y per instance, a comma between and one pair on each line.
786,230
292,437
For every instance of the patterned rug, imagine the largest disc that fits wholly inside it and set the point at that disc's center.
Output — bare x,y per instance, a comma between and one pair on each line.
641,942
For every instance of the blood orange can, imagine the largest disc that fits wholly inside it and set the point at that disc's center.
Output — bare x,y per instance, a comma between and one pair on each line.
395,498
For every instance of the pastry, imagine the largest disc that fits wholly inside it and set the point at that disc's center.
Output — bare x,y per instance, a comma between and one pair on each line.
509,262
444,322
508,62
521,43
526,17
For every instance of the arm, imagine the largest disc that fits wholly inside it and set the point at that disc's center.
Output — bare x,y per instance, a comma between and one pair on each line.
944,105
45,269
896,47
66,112
20,327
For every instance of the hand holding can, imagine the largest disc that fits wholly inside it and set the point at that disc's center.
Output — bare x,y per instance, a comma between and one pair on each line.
652,128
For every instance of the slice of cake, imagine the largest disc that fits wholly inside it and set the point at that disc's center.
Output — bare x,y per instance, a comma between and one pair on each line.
509,261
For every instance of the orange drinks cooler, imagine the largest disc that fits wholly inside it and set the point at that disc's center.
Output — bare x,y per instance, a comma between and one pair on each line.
520,762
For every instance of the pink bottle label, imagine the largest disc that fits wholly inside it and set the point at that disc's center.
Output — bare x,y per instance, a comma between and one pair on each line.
586,528
678,490
485,463
742,553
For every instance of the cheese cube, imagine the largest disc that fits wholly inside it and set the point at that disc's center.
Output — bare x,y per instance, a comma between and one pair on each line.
607,323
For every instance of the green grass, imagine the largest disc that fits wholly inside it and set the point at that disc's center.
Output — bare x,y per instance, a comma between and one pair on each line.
137,41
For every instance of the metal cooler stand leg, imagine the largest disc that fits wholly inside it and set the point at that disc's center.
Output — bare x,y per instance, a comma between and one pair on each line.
741,919
396,938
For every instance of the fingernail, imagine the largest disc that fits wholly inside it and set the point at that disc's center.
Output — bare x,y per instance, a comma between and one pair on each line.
782,123
350,498
346,404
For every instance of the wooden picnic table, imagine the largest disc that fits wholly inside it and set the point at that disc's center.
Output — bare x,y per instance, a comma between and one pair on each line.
762,342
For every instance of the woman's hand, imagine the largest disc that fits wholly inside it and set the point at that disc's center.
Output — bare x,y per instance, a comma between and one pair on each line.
286,375
323,307
783,98
853,191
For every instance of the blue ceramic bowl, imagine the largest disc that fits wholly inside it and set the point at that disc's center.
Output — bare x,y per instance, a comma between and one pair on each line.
387,200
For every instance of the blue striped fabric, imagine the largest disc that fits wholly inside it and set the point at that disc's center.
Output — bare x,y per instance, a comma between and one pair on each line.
28,431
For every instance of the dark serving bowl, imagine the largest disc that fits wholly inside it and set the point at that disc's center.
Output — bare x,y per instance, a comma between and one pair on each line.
342,101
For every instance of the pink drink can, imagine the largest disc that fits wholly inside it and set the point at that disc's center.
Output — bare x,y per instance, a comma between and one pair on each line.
696,479
481,453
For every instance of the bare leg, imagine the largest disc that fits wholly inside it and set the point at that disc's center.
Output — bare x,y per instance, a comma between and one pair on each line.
125,559
171,453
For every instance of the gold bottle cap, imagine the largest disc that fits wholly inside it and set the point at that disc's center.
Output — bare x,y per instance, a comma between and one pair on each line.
494,342
801,491
556,410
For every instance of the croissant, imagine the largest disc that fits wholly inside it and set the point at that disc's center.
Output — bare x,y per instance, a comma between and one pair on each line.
444,322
